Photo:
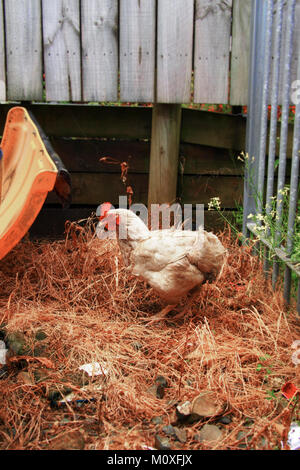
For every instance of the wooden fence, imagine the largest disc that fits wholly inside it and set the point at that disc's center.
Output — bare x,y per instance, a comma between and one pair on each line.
160,51
167,51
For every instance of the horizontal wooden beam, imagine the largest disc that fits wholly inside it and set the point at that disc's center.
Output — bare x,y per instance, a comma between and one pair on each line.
134,123
50,223
86,154
93,188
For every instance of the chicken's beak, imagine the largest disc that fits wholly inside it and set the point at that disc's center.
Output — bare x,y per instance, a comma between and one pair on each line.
107,222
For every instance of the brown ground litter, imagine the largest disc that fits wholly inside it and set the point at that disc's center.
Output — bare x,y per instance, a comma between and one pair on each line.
235,342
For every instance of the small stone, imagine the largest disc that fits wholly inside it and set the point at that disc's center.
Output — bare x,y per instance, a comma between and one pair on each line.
225,419
169,430
24,377
205,405
40,335
73,440
17,343
180,434
157,420
210,432
184,410
161,443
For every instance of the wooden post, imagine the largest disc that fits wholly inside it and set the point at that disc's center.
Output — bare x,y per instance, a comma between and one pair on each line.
165,140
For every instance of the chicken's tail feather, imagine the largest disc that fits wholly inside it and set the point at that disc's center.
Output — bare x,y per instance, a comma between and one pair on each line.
208,255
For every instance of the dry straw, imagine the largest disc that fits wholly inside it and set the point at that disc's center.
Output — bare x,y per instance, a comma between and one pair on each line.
91,309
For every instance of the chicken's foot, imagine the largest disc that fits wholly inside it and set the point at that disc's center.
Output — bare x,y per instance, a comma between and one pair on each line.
187,306
161,315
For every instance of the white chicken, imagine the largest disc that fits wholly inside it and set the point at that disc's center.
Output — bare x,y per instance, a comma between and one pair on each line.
174,262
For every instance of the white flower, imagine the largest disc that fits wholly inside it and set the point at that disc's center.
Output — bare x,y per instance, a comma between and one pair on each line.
214,203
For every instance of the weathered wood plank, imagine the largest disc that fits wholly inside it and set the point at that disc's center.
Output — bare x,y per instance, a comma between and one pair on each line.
50,223
132,123
240,54
99,31
200,189
212,49
174,50
202,128
165,139
83,155
137,50
61,35
89,121
93,189
23,50
2,56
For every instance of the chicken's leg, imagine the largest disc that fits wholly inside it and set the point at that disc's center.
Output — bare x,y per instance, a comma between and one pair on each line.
161,315
194,294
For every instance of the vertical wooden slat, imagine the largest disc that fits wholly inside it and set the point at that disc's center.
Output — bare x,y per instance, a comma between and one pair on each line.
174,50
61,34
2,58
99,23
240,52
212,48
23,49
137,50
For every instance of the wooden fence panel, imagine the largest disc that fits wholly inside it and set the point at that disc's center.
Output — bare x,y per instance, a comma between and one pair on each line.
2,56
61,34
240,55
174,50
24,49
137,50
99,20
212,49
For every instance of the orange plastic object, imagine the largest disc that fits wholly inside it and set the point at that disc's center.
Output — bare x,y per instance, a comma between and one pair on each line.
27,174
289,390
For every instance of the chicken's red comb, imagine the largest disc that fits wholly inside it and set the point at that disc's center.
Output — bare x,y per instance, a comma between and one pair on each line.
105,207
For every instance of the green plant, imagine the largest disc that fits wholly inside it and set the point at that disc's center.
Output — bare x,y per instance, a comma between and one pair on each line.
262,366
266,223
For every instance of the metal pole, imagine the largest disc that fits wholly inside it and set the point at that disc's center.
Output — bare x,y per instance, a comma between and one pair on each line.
258,20
287,57
273,120
293,194
264,113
